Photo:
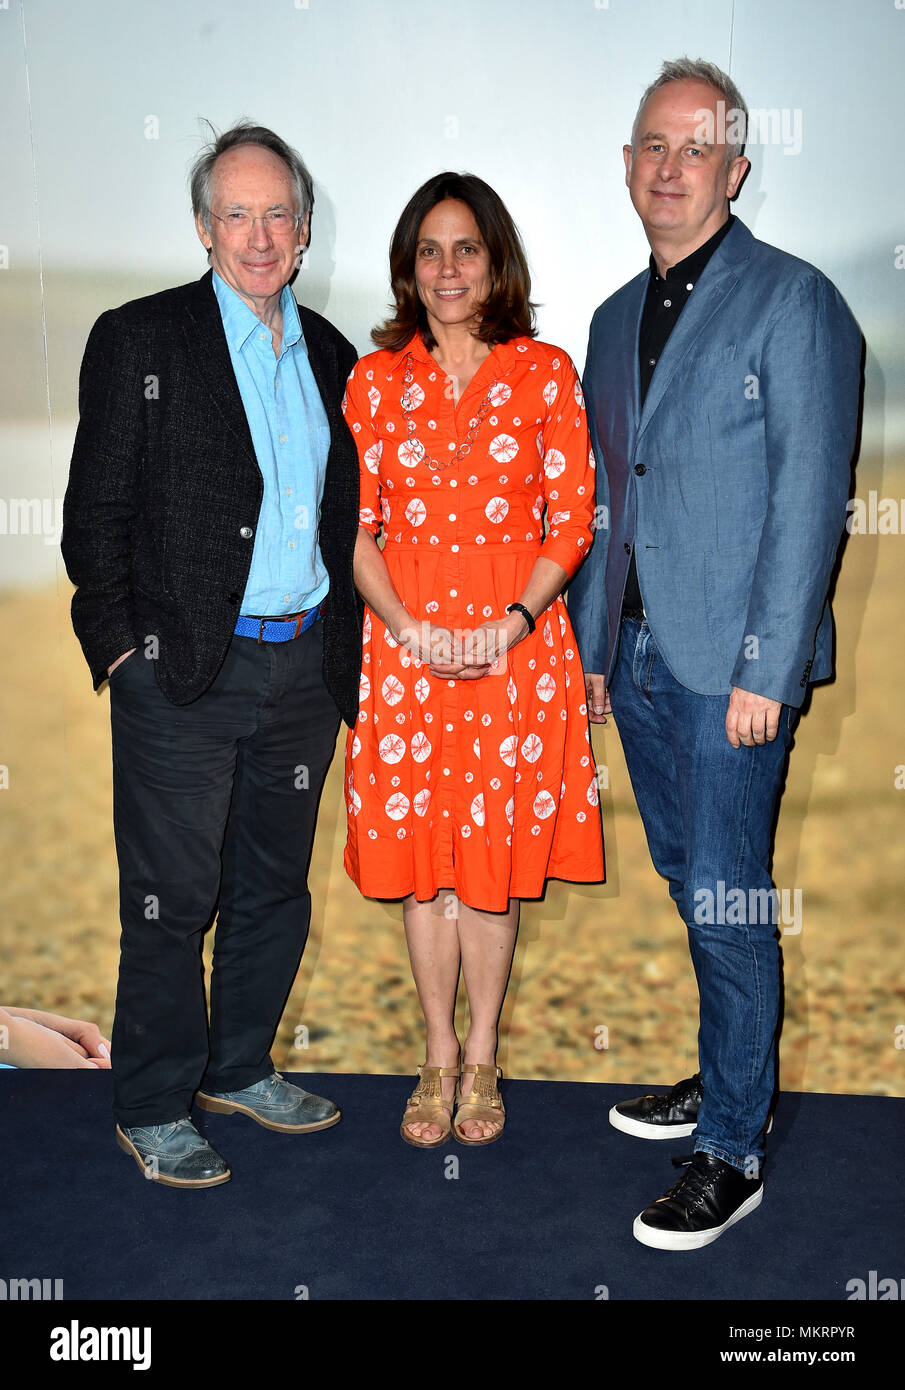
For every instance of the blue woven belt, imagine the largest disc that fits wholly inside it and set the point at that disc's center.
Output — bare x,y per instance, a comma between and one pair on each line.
279,629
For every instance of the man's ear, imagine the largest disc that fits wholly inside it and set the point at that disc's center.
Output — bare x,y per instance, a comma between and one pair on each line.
204,235
304,233
738,169
627,156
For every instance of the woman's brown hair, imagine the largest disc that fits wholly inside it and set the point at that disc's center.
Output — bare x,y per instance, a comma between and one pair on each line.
507,310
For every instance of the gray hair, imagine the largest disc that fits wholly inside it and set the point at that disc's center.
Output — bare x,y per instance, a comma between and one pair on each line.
245,132
697,70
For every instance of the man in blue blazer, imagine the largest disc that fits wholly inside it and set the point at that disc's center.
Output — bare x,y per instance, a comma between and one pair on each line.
722,387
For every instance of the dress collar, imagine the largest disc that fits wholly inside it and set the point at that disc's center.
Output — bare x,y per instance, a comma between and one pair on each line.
506,353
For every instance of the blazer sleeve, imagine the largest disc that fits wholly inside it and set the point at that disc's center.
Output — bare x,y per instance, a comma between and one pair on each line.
100,502
586,595
809,383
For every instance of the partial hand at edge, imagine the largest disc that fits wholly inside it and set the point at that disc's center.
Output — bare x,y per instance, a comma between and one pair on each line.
598,698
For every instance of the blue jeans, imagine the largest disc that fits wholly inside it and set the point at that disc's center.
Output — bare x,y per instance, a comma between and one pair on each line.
708,811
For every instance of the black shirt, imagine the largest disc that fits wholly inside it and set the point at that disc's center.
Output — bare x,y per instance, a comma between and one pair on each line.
666,298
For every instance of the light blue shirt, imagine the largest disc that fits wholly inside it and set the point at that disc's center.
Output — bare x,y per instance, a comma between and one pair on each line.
291,438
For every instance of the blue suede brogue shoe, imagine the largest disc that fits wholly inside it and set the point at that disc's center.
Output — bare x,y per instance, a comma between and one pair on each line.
174,1154
275,1104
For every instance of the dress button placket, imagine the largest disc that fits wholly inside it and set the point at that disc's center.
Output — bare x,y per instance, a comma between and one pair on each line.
454,605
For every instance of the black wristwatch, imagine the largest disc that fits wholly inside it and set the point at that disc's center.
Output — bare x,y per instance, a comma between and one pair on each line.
520,608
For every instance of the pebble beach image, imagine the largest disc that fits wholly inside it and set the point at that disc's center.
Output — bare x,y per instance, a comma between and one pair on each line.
602,987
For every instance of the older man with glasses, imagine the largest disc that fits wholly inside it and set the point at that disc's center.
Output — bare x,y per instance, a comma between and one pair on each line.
209,525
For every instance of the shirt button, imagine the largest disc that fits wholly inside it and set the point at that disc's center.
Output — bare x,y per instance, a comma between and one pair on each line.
286,598
454,549
450,446
453,483
667,304
452,516
449,728
245,532
282,439
446,772
640,469
292,543
691,286
652,361
454,593
289,492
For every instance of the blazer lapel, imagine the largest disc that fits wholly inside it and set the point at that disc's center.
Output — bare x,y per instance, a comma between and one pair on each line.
718,279
204,330
633,316
316,360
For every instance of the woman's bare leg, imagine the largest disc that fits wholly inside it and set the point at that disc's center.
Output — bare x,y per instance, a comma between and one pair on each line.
431,933
487,941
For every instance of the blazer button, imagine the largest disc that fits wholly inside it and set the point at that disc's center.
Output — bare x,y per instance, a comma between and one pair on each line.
246,533
628,548
640,469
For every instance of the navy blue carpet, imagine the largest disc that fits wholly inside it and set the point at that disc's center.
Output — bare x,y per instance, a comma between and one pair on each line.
355,1213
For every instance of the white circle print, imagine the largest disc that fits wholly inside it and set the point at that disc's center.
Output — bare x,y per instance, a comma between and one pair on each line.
397,806
503,448
391,748
554,463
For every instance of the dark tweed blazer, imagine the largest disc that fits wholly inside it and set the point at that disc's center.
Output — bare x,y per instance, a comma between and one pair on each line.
164,494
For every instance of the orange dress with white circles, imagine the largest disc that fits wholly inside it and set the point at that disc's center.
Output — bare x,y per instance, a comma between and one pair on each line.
485,787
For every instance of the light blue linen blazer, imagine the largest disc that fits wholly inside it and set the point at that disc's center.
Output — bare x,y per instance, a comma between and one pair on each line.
731,484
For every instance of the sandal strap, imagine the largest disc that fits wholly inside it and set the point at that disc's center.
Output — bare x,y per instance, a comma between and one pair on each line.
427,1094
484,1093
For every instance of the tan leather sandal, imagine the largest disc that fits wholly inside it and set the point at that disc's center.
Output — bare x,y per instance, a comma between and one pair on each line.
483,1102
428,1106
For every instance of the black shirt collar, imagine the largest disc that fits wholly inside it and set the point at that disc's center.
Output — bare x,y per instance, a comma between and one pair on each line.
689,270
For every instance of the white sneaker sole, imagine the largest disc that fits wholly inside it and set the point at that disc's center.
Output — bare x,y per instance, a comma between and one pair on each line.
692,1240
642,1129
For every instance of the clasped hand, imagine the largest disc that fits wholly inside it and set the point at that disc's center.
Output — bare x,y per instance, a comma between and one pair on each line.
463,654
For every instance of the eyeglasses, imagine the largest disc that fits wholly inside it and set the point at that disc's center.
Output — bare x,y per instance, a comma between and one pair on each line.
278,222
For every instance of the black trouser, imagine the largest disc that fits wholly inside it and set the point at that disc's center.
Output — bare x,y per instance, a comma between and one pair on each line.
214,807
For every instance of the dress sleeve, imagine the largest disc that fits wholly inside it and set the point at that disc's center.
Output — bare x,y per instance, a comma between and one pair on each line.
357,410
568,476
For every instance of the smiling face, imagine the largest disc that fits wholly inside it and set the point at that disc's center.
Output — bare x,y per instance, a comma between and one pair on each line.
257,262
452,266
679,183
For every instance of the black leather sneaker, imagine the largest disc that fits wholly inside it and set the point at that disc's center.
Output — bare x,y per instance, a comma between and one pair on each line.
709,1197
671,1116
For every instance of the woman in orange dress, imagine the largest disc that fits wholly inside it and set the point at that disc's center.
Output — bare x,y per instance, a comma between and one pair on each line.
469,776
